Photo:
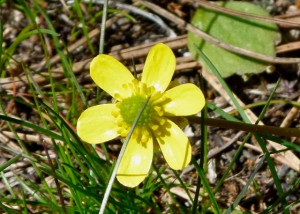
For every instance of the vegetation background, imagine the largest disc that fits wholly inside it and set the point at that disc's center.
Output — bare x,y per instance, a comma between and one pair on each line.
45,85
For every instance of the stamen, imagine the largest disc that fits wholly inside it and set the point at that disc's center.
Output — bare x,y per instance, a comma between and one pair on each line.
158,110
151,119
117,96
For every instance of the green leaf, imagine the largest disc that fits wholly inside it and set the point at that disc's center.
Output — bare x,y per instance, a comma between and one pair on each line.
253,35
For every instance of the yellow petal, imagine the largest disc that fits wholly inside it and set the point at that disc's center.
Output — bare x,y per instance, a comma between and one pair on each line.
186,99
175,146
136,163
111,75
159,67
97,125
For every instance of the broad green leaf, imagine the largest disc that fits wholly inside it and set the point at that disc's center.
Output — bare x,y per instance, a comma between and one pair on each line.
254,35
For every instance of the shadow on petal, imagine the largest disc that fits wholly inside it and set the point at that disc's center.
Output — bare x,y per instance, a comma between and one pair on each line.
175,147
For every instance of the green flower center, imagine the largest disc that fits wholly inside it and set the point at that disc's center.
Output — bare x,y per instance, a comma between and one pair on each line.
130,107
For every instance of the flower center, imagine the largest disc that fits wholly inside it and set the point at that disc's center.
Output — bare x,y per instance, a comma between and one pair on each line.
151,120
130,107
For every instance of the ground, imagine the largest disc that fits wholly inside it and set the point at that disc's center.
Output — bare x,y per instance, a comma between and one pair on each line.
46,48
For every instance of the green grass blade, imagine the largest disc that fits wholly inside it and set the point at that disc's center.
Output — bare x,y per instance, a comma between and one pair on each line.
207,187
293,189
66,63
167,187
10,162
245,188
1,42
32,126
223,83
84,26
245,118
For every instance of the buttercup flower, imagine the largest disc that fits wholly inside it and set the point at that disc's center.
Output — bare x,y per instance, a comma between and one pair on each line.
157,123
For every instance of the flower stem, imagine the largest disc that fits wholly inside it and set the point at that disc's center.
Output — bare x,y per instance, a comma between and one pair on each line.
262,129
114,173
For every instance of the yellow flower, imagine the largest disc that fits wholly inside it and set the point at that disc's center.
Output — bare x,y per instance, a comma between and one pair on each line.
105,122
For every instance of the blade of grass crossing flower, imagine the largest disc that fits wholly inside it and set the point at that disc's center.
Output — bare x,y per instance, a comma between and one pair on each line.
101,51
103,27
114,173
206,186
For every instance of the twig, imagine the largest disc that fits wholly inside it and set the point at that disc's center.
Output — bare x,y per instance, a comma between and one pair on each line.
247,15
145,14
279,158
139,51
29,137
290,158
208,38
6,141
290,117
262,129
217,151
292,46
245,188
